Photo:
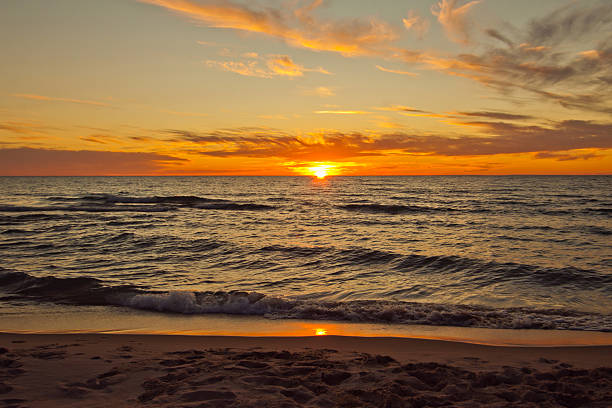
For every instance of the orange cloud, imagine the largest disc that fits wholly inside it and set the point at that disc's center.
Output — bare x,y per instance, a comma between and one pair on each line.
416,23
454,19
276,65
68,100
249,68
301,28
27,130
324,91
395,71
341,112
490,138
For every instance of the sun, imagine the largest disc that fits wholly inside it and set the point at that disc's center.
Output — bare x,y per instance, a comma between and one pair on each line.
320,171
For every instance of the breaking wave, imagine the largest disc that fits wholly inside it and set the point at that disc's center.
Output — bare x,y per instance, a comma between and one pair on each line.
91,291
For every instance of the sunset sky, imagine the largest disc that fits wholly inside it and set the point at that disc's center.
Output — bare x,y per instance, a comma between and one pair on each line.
198,87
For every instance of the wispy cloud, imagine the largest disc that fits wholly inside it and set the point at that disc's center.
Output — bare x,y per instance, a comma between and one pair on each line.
341,112
179,113
454,19
207,43
298,27
396,71
27,130
68,100
568,156
273,66
273,117
283,65
322,91
248,68
414,22
545,64
400,108
494,115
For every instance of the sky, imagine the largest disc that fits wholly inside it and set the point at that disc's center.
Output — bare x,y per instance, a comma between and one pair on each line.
354,87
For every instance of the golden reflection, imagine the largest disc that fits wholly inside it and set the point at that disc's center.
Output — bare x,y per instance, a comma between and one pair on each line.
320,332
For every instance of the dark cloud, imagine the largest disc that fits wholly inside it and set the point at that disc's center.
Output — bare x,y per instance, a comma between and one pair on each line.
46,162
498,36
495,115
571,22
489,138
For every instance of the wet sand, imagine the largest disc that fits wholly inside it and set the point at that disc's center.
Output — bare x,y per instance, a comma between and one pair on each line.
120,370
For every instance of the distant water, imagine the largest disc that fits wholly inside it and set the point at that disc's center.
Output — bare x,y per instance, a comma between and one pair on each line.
500,252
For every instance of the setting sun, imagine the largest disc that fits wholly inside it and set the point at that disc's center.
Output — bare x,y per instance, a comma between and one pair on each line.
321,171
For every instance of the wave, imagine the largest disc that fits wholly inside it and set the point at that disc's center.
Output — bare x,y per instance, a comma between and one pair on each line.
91,291
395,209
120,199
392,208
488,272
116,203
86,208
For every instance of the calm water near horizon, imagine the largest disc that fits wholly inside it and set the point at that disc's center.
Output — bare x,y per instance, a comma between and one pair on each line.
474,251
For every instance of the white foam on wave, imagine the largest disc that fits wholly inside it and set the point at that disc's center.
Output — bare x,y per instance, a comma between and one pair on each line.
199,303
253,303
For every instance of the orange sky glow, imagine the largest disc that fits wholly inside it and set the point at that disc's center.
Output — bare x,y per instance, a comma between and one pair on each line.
308,87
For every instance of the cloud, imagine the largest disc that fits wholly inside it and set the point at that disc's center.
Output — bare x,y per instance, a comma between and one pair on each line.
275,65
341,112
572,22
68,100
46,162
546,63
495,115
207,43
100,138
273,117
283,65
487,138
498,36
178,113
249,68
568,156
93,139
400,108
298,28
27,130
322,91
454,19
395,71
416,23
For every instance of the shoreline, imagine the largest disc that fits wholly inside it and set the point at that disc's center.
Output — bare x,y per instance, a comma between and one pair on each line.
96,370
101,319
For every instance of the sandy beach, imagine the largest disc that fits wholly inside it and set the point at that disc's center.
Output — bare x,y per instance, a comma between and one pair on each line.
102,370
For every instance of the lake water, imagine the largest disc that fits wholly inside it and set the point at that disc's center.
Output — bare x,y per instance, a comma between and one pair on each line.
492,252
